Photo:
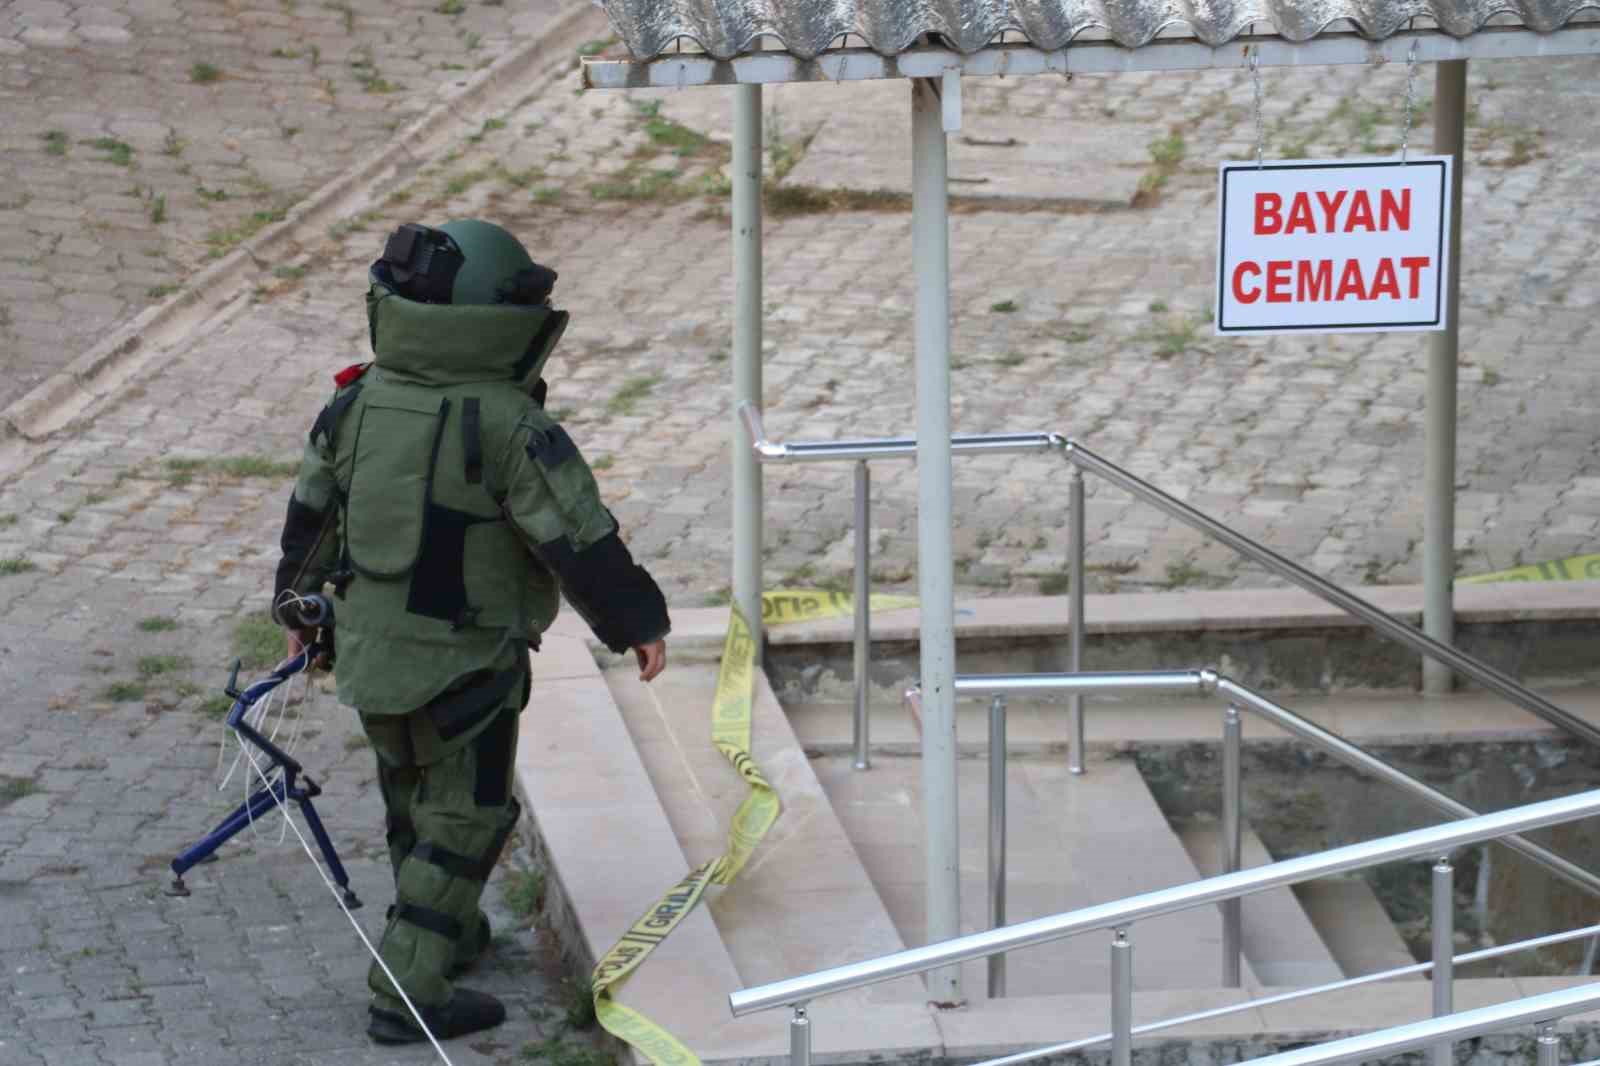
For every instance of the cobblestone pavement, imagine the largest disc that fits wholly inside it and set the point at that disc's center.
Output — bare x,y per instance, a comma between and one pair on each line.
1091,323
144,137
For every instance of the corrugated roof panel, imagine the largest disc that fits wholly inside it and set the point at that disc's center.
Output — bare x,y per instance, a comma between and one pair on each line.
726,28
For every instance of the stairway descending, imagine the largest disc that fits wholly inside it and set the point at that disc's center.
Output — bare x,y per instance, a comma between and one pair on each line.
804,902
1280,941
1356,928
1074,841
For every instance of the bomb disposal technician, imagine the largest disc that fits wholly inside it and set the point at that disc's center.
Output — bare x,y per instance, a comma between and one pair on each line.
450,513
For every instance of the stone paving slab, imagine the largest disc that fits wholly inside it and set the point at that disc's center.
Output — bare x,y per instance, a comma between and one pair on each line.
145,138
1014,142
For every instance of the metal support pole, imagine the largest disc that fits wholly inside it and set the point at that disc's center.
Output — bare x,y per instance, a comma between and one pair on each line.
800,1038
1549,1045
863,585
1439,508
1444,948
1075,608
930,247
997,839
747,510
1232,830
1121,999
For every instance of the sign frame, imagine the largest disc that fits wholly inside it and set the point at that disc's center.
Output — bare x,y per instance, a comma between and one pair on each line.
1438,320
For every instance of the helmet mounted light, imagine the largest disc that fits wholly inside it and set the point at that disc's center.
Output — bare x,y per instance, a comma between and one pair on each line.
423,262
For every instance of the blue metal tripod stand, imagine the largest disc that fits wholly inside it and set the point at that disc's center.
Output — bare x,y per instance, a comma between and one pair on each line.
281,789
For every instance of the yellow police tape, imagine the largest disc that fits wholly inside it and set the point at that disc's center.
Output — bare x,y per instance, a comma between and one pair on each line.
1574,568
730,732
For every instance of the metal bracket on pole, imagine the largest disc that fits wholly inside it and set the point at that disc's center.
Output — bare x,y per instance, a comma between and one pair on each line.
1444,948
863,609
1121,999
1232,832
997,838
1549,1045
800,1038
951,99
1075,755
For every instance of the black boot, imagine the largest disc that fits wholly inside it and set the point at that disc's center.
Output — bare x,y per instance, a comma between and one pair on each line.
467,1012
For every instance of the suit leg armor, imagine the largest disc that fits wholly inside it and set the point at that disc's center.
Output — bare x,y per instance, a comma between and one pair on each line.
449,814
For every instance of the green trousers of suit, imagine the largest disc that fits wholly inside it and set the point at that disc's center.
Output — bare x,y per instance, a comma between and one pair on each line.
446,779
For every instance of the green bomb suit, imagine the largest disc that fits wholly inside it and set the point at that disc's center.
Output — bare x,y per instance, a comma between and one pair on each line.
450,513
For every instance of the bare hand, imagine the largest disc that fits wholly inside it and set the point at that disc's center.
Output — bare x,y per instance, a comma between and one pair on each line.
652,659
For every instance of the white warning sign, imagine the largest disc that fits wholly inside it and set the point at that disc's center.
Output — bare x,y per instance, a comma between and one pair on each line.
1333,246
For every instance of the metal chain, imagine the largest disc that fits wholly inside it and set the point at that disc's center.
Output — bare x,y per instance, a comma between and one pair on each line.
1261,129
1411,101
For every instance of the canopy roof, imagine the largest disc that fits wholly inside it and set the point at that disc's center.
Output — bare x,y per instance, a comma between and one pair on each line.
805,28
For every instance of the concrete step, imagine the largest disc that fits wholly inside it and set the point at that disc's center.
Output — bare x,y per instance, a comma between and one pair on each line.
1040,724
805,901
1073,841
1280,941
1354,925
1284,640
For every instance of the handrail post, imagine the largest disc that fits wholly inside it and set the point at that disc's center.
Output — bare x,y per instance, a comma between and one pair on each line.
800,1038
1121,999
863,589
997,839
1075,607
1549,1045
930,253
1444,948
1232,834
1439,461
745,170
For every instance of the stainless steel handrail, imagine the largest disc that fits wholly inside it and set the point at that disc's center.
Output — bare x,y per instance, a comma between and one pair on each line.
1208,681
861,452
1089,683
1466,958
1539,1010
886,447
1086,460
1379,619
1360,759
1238,698
1430,841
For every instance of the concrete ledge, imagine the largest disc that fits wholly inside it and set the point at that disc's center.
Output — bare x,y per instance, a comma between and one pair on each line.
1227,609
1274,639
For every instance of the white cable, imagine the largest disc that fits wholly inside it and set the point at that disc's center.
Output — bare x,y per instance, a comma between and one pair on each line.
338,898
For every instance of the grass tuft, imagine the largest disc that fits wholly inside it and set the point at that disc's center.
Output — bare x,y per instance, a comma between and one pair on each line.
523,891
204,73
124,691
156,665
223,240
14,788
117,152
557,1051
632,391
258,642
16,564
55,142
